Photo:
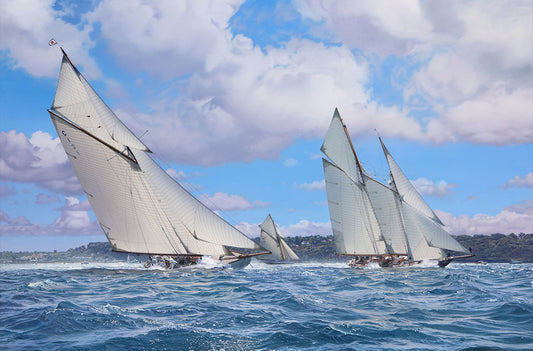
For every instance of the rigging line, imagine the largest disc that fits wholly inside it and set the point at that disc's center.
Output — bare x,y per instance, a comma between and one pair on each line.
192,188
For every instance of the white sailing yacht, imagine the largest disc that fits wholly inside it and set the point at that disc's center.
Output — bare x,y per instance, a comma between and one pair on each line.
389,224
140,208
272,240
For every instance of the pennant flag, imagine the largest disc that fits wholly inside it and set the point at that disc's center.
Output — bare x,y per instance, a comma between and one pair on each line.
52,42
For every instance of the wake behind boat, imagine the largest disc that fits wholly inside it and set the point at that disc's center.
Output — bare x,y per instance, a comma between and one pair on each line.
140,208
372,222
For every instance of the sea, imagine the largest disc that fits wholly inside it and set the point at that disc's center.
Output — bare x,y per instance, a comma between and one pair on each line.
302,306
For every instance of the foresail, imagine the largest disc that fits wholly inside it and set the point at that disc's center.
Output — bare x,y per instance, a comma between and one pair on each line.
435,235
76,100
406,189
355,227
288,253
385,204
188,214
337,147
117,190
419,248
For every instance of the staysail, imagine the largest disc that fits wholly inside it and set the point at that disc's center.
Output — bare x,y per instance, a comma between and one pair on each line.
140,208
272,240
419,219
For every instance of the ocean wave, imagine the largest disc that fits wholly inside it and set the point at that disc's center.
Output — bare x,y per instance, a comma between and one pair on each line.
308,306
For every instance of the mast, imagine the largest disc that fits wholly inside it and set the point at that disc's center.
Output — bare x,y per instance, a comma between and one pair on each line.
355,227
351,145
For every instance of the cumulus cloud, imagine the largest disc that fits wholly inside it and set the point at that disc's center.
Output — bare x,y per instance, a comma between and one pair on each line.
39,160
26,28
378,27
519,182
73,220
427,187
474,59
512,219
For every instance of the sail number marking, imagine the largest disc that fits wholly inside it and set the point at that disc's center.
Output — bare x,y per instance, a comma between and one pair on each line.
70,143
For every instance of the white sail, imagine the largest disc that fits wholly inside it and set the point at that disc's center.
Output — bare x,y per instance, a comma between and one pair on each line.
288,253
370,218
418,216
118,193
140,208
338,148
355,227
77,100
272,240
186,211
406,189
419,249
385,205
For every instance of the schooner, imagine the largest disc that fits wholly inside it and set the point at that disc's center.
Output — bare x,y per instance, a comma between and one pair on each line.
140,208
272,240
373,222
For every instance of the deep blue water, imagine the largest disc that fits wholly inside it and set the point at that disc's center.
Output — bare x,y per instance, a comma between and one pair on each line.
308,306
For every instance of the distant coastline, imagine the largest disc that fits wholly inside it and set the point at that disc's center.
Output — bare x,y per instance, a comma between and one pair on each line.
511,248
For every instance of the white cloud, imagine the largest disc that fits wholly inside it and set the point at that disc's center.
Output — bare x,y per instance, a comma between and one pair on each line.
305,228
497,117
39,160
74,216
381,27
475,59
427,187
166,38
519,182
314,185
224,202
73,220
26,28
302,228
512,219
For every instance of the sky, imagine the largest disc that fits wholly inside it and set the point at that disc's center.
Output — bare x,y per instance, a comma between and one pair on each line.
235,97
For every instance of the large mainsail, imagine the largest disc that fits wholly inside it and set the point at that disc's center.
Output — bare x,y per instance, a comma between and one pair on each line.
139,206
355,226
272,240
